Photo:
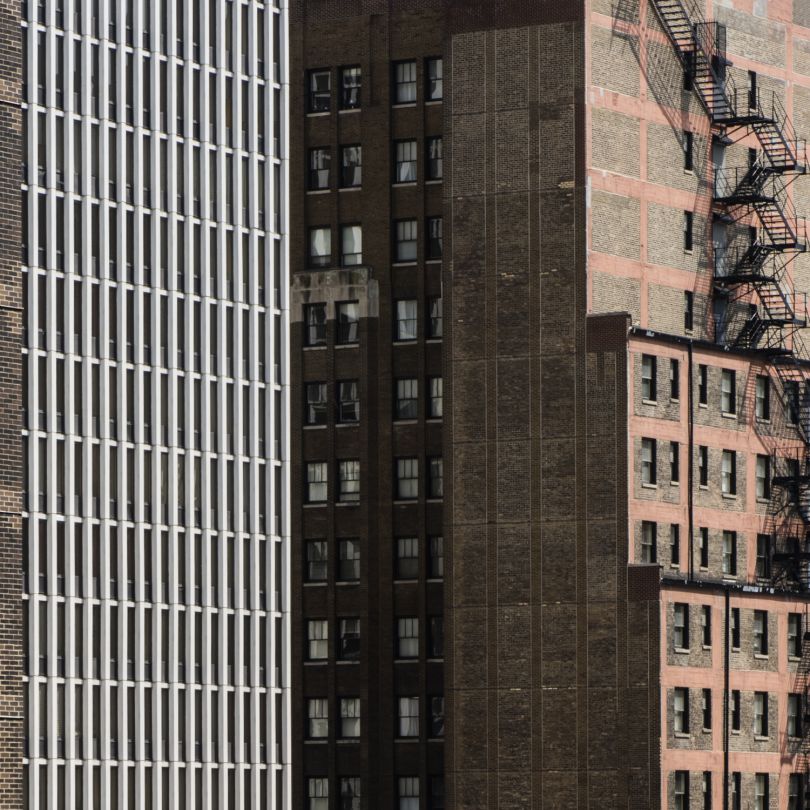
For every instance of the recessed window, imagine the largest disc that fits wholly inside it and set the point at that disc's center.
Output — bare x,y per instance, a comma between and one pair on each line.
318,718
680,710
317,640
688,230
320,161
735,628
406,399
763,397
435,400
674,462
407,637
703,546
436,722
317,564
753,93
351,82
406,244
648,462
728,391
320,91
349,640
688,310
706,625
760,633
407,560
435,637
791,388
406,321
318,792
436,557
404,82
349,481
729,554
703,384
649,541
408,792
407,479
707,709
405,162
736,710
351,166
434,169
674,380
728,472
762,791
348,560
315,325
649,389
351,245
680,628
434,90
795,635
434,319
761,714
316,407
320,247
796,791
435,478
688,151
794,715
350,792
316,482
763,477
348,322
433,240
703,465
681,790
349,718
675,544
408,714
348,401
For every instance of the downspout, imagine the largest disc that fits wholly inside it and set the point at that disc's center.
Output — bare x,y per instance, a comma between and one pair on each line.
691,420
726,693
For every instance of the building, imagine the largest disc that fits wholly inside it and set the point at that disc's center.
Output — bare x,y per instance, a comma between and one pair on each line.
549,550
145,389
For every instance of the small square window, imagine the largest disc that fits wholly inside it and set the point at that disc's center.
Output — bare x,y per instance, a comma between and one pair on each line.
351,82
434,169
320,247
434,90
406,243
348,322
405,82
320,91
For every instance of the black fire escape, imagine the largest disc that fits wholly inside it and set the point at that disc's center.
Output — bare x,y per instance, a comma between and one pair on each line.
753,205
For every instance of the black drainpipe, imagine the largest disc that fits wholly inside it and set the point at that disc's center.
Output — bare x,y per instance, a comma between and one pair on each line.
691,466
726,669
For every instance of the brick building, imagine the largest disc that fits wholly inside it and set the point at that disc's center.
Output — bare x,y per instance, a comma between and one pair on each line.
550,492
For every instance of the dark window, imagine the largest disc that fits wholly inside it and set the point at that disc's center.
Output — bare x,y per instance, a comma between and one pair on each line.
433,153
351,82
351,171
435,478
735,710
795,635
735,628
688,310
680,710
703,542
317,561
674,462
729,554
703,465
348,401
316,413
435,399
763,568
434,319
433,79
688,230
791,388
349,640
407,479
350,793
407,560
320,91
706,624
406,401
674,380
348,320
404,162
348,561
675,544
349,481
649,387
753,93
435,637
437,716
315,325
436,558
433,240
707,709
320,160
703,384
404,82
649,541
763,397
688,151
405,240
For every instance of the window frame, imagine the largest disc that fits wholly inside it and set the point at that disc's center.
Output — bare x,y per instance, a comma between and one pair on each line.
398,83
315,107
351,100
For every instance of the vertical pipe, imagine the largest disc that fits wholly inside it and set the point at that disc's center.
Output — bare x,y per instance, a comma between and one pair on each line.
726,669
691,479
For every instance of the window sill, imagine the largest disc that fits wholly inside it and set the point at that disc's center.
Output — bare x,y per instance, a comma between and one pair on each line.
316,742
676,400
347,503
406,660
674,483
728,415
404,105
681,735
350,188
704,487
411,263
735,731
729,496
405,502
315,584
760,738
688,251
315,427
434,500
347,740
433,261
649,401
434,102
347,582
408,342
340,346
347,663
434,181
794,658
648,486
705,646
703,405
321,114
347,424
689,171
681,650
433,340
315,663
434,420
404,184
405,580
316,191
761,656
314,505
348,110
406,421
313,348
706,731
763,500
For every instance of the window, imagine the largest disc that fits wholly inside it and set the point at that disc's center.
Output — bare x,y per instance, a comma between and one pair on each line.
349,718
348,561
351,245
736,710
408,713
318,792
434,319
349,481
349,640
706,624
794,715
703,546
736,791
649,391
435,398
407,470
688,310
680,628
406,320
707,709
648,462
350,794
436,637
316,404
674,462
795,635
680,710
317,640
320,159
674,380
437,716
315,321
433,245
728,391
407,561
681,790
707,790
433,79
405,162
735,628
728,473
761,632
791,388
675,544
405,247
434,169
703,465
348,321
688,151
436,557
320,91
763,566
649,541
688,231
317,561
753,94
351,82
435,478
763,397
763,477
404,82
348,402
318,714
408,790
795,792
406,399
316,482
703,384
729,554
351,166
407,637
762,791
320,247
760,714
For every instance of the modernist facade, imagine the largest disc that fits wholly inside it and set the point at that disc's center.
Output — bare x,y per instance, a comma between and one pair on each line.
550,486
149,308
